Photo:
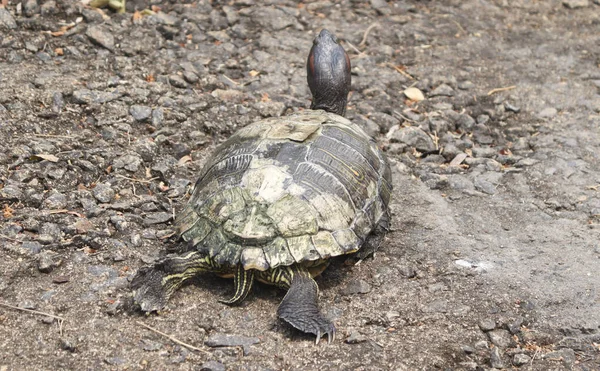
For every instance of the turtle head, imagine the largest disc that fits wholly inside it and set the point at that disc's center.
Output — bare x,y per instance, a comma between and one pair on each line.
328,70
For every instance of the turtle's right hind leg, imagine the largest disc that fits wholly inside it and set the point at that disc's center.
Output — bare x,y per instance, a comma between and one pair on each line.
152,286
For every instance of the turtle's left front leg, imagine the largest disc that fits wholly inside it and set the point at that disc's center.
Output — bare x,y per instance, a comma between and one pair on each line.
152,286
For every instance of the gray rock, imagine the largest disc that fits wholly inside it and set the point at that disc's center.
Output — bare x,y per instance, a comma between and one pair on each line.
6,20
140,113
190,77
414,137
157,218
511,107
355,337
225,340
102,36
270,109
49,7
464,122
158,117
31,8
408,272
467,349
442,90
87,96
212,366
548,113
103,192
128,162
487,324
521,359
177,81
356,287
466,85
381,6
574,4
272,18
33,246
484,186
566,355
46,263
501,338
496,359
55,201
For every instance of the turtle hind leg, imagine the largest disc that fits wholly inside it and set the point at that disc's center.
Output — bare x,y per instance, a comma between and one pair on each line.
374,239
152,286
300,308
242,281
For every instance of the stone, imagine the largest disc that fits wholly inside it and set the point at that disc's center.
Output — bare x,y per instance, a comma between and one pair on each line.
140,113
355,337
487,324
442,90
31,8
496,359
548,113
6,20
521,359
178,81
575,4
157,218
414,137
45,262
87,96
212,366
565,355
356,287
501,338
103,192
226,340
55,201
272,18
102,36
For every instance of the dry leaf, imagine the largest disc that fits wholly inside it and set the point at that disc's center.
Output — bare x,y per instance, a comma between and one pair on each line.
415,94
265,97
155,8
150,78
50,158
59,51
458,159
253,73
136,16
7,211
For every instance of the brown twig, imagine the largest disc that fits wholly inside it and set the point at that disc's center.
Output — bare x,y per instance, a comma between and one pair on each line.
65,211
497,90
136,180
366,34
354,47
400,71
9,238
54,136
171,338
59,319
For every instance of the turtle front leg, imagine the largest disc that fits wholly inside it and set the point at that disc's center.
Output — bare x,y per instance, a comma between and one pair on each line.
153,286
300,307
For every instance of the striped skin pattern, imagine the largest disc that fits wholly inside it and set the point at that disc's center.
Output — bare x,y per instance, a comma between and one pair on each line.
292,190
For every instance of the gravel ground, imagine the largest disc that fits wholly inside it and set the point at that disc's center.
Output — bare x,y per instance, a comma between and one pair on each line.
494,253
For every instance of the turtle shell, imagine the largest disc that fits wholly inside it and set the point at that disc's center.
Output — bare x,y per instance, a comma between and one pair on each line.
288,190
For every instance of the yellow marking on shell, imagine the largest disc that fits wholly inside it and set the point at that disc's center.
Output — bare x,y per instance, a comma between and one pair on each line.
359,176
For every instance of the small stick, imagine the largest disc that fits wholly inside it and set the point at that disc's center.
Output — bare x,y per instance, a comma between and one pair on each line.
366,34
400,71
136,180
497,90
54,136
65,211
354,47
172,338
33,311
9,239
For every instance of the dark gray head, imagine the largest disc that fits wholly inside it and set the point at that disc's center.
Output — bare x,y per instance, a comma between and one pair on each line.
328,70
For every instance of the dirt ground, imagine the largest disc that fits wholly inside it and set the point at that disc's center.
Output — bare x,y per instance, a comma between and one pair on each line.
493,259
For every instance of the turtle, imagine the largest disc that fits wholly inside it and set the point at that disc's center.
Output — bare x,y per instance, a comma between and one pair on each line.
281,197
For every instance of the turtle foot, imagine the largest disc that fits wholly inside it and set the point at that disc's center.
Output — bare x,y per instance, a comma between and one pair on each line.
148,289
299,308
